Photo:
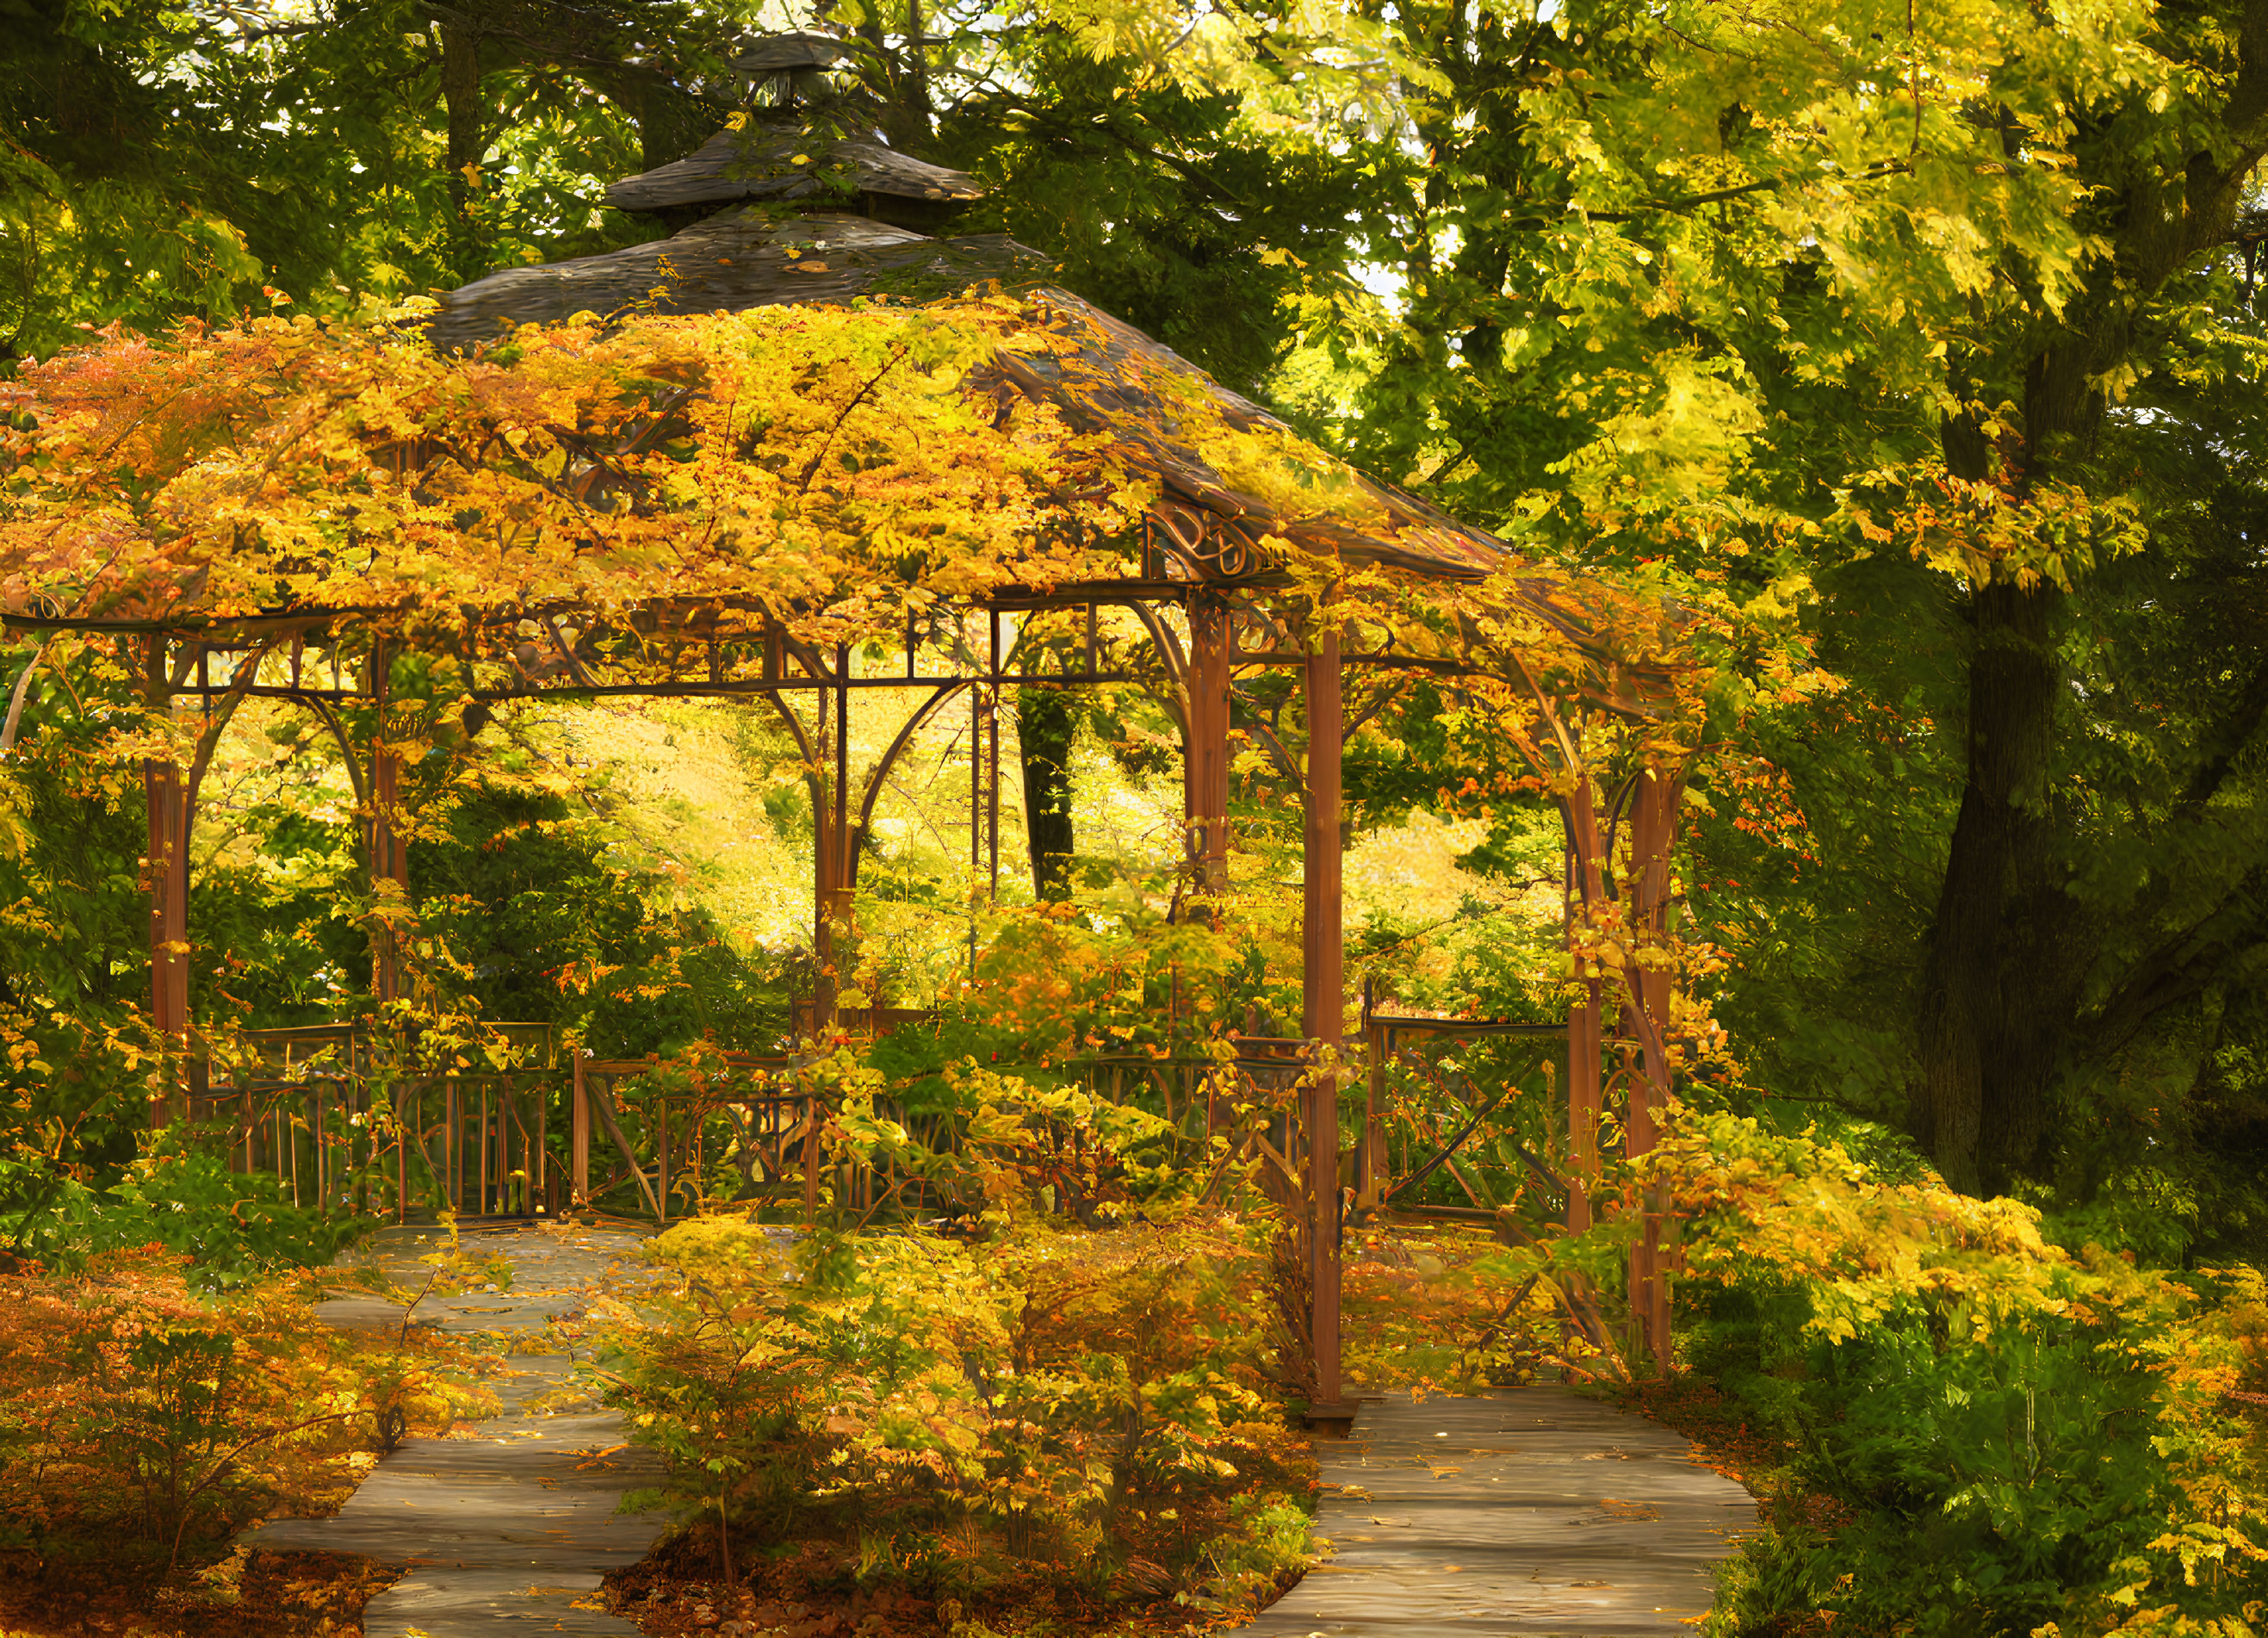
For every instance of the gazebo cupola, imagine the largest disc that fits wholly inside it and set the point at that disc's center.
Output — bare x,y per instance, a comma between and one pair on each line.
808,139
800,201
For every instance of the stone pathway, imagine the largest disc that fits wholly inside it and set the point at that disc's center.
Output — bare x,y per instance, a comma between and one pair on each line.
1531,1513
510,1530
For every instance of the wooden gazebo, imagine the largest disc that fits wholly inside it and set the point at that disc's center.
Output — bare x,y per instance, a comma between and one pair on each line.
1297,563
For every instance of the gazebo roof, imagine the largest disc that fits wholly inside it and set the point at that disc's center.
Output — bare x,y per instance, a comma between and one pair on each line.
1242,500
1114,379
763,161
799,48
749,257
1163,412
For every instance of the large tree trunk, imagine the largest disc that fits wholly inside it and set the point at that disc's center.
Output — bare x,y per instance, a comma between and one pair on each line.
2001,986
2010,947
2009,951
902,79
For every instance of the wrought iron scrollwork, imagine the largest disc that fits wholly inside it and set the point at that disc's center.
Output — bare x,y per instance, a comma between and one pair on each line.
1201,545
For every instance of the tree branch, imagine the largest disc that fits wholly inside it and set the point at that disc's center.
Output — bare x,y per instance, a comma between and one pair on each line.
1888,167
2228,744
2182,965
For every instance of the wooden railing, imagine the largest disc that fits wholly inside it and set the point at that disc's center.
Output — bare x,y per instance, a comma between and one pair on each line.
351,1123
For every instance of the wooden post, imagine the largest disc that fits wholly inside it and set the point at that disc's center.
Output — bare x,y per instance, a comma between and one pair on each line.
168,886
992,766
579,1133
976,810
822,877
169,1008
833,864
1205,765
811,1151
539,1183
1585,1073
389,862
1651,835
1586,887
1370,1170
1322,1000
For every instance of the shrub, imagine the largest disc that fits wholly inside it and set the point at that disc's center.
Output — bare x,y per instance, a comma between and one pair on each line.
129,1403
2023,1440
1086,1405
234,1226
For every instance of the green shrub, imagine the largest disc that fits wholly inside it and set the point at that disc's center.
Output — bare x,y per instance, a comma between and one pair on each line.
2021,1440
232,1227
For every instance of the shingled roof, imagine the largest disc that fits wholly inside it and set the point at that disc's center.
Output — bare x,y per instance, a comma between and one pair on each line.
751,257
1163,412
1107,376
762,161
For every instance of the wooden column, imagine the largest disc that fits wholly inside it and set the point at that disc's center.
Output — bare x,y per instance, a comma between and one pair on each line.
822,881
167,882
983,793
834,861
1204,763
1370,1155
1586,1078
1653,821
390,855
578,1117
1322,999
992,762
1586,887
976,720
815,1124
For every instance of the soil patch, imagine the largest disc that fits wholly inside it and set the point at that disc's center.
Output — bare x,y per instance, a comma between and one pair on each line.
240,1594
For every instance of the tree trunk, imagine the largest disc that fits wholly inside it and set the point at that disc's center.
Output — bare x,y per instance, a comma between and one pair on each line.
460,91
2009,951
1046,723
670,124
905,115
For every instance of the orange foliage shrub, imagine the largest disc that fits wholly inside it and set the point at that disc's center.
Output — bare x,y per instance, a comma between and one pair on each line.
131,1403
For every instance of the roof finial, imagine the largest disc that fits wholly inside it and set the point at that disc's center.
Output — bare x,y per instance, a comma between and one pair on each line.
791,68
